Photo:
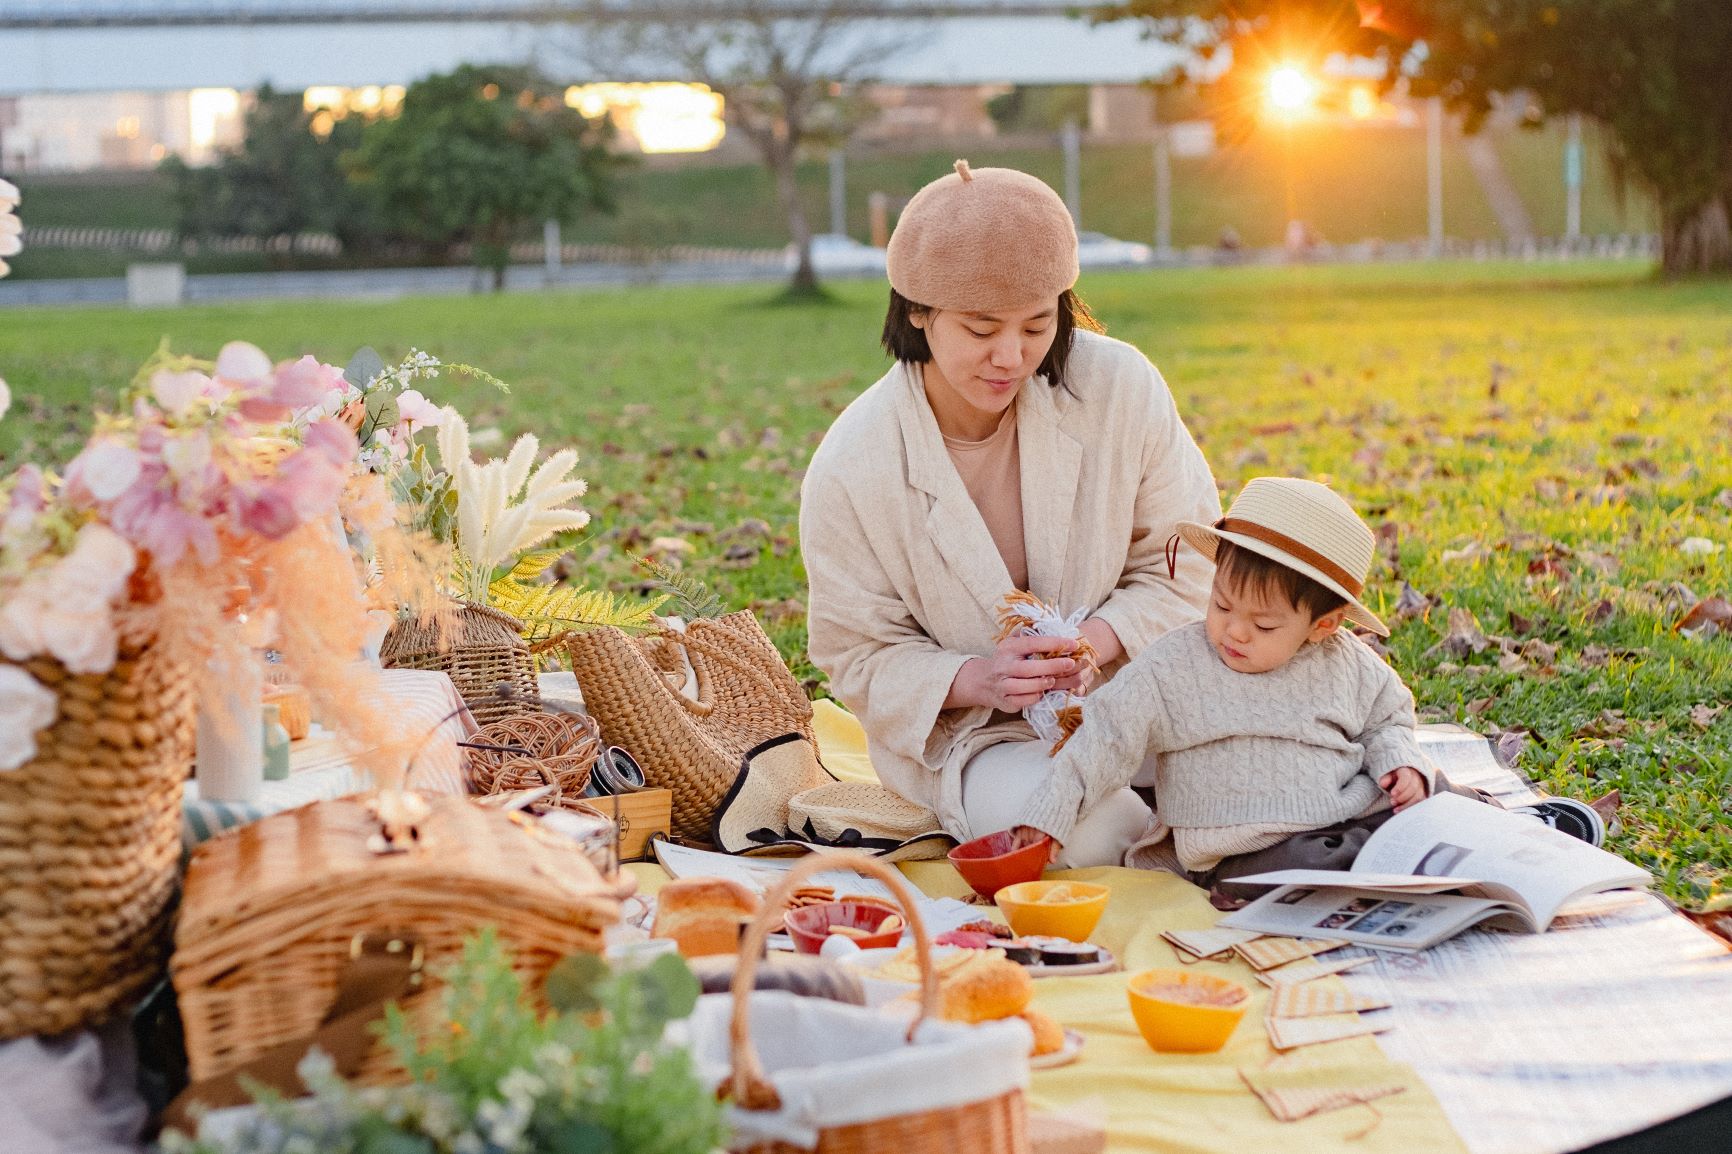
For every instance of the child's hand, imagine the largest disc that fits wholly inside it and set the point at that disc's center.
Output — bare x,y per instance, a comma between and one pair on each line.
1027,835
1404,785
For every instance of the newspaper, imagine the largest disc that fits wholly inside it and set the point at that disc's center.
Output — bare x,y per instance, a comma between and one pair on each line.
1515,871
1612,1022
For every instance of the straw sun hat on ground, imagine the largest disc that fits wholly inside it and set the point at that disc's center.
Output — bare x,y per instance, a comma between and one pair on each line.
983,239
1303,525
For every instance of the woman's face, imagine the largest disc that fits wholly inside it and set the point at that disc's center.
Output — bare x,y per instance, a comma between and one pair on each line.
982,358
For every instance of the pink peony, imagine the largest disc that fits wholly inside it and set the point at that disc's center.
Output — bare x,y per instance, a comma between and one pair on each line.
269,512
242,364
66,609
103,471
176,392
331,438
305,382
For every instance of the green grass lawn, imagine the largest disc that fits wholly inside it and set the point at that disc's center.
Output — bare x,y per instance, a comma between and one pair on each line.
1350,182
1537,442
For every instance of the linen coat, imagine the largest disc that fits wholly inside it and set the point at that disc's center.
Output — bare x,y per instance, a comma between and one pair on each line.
905,580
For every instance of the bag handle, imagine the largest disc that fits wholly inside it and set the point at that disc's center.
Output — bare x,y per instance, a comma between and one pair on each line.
751,1089
383,967
757,666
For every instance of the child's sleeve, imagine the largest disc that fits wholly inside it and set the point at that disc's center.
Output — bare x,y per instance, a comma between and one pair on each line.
1121,724
1388,737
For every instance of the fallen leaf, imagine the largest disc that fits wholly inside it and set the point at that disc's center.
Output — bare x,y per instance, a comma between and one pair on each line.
1604,564
1511,663
1412,603
1724,499
1547,565
1519,624
1703,715
1472,551
739,557
1480,705
779,612
1389,544
1509,745
1602,609
751,529
669,545
1715,611
1463,637
1275,429
694,528
1539,652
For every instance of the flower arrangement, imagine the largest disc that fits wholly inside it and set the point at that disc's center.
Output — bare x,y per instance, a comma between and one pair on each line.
595,1075
202,507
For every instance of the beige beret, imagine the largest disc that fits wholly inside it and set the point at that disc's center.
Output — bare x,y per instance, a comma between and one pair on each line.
982,239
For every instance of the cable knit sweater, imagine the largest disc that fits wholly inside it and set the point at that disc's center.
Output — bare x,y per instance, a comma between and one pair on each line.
1299,747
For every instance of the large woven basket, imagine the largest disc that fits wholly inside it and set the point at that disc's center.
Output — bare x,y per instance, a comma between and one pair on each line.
694,747
995,1125
484,654
272,911
90,842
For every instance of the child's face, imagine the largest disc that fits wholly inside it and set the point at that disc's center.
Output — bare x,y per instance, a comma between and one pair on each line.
1255,632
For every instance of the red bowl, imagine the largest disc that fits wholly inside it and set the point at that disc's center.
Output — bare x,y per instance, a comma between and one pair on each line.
997,860
809,926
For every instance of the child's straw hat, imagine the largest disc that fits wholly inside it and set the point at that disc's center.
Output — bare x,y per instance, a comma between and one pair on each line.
1303,525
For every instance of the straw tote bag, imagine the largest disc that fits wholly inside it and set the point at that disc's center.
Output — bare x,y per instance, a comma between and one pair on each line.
90,843
741,696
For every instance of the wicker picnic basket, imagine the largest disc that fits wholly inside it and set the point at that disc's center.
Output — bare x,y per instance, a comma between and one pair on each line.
274,913
693,746
483,652
90,843
533,750
997,1124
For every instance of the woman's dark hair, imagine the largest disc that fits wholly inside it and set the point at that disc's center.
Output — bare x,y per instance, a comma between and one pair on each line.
907,343
1244,569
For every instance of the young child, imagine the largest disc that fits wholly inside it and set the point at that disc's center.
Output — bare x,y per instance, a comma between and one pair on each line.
1280,741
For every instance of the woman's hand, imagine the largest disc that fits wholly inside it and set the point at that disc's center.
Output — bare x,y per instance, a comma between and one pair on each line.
1019,671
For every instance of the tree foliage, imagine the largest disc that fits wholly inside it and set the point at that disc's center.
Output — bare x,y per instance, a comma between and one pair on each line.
283,180
480,154
1657,74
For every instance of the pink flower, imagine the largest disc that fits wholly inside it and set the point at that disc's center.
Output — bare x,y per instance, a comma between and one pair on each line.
305,382
242,364
102,472
416,411
150,516
331,438
269,512
66,610
175,392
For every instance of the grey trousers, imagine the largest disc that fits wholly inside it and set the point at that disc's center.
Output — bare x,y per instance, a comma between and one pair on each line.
1333,847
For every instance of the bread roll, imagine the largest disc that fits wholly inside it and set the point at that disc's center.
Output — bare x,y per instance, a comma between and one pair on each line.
703,915
1048,1034
984,990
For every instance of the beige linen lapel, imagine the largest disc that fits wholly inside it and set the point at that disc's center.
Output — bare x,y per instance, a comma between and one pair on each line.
953,522
1051,464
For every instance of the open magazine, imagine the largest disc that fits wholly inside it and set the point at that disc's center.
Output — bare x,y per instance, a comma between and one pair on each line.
1511,870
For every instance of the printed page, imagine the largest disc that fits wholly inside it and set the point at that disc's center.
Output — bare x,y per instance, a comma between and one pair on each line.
1379,921
1508,855
761,874
1400,883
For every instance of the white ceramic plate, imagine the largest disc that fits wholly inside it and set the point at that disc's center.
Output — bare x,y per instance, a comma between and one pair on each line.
1072,1050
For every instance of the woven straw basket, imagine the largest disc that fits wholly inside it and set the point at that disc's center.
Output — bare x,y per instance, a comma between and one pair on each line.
90,843
997,1125
482,652
272,911
745,696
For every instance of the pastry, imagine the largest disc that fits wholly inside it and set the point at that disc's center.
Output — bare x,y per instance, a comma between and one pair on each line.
807,896
703,915
1048,1034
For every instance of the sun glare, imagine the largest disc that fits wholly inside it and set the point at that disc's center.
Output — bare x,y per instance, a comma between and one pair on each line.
1291,90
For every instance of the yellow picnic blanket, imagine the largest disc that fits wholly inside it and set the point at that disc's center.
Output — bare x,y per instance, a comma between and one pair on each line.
1183,1103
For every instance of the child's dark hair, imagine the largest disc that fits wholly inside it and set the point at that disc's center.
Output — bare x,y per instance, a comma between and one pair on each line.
907,343
1246,569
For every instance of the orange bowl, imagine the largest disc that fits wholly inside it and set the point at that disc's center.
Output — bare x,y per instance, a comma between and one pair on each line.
1000,859
1186,1013
809,926
1054,909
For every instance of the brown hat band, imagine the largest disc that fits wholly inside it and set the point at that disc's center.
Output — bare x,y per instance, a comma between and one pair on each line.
1298,549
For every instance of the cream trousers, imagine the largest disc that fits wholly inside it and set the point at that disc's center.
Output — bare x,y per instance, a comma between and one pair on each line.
999,779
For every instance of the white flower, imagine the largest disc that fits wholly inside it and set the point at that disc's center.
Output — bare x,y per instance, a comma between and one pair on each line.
5,397
26,709
187,456
66,609
9,194
105,468
316,1066
521,1087
468,1142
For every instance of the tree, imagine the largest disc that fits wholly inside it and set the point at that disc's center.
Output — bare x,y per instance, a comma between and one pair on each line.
284,179
1653,73
791,76
480,154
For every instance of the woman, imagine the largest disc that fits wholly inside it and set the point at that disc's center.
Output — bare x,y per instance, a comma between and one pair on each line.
1012,446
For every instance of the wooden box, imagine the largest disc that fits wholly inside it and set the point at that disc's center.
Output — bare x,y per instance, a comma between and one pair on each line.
642,815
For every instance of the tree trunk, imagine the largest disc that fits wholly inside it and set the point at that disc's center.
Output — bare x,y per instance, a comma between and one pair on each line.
1696,240
805,278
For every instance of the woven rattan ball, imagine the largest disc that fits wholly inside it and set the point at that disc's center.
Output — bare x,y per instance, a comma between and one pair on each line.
536,749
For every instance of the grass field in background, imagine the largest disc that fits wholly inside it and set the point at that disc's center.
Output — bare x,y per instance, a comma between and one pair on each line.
1351,183
1539,444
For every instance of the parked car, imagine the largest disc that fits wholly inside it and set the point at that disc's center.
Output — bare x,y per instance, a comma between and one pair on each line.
833,253
1097,250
